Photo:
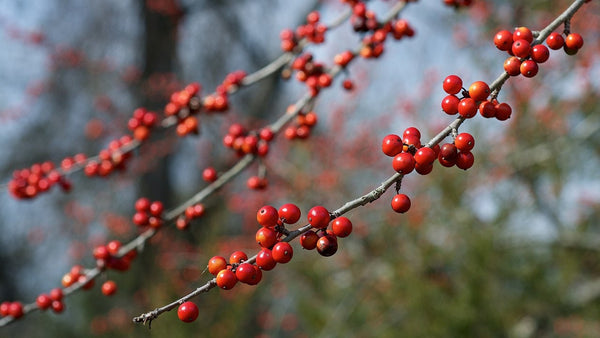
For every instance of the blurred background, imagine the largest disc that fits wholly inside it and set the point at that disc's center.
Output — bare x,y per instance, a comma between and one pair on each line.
510,247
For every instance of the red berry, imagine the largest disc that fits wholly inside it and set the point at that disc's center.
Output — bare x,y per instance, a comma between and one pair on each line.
43,301
341,226
503,111
246,273
289,213
555,41
309,239
327,245
464,142
424,168
216,264
156,208
101,252
209,174
140,218
574,41
56,294
404,163
523,33
4,309
452,84
503,40
424,155
226,279
411,131
401,203
318,217
238,257
448,151
142,204
265,260
109,288
411,140
465,160
266,237
267,216
487,109
512,66
57,306
187,312
479,91
467,107
15,310
450,104
392,145
529,68
540,53
113,247
282,252
521,48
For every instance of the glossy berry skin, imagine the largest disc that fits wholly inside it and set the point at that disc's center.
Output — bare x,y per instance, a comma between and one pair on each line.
289,213
465,160
318,217
503,111
555,41
520,48
404,163
448,151
540,53
529,68
341,227
392,145
109,288
512,66
43,301
479,91
574,41
216,264
309,239
187,312
503,40
464,142
57,306
401,203
56,294
523,33
452,84
424,155
413,132
226,279
238,257
246,273
327,245
282,252
487,109
467,107
450,104
156,208
267,216
15,310
265,260
266,237
209,174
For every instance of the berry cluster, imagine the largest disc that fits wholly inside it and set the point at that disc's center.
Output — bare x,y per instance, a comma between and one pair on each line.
245,142
107,257
40,177
192,212
525,55
148,213
373,44
185,104
313,31
141,123
303,126
219,102
53,300
313,74
323,239
472,100
13,309
109,159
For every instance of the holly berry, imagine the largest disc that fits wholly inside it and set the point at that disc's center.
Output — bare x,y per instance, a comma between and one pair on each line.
467,107
209,174
411,132
574,41
216,264
464,142
341,226
43,301
555,41
401,203
289,213
318,217
523,33
15,310
450,104
529,68
156,208
267,216
309,239
512,66
226,279
503,40
424,155
392,145
452,84
266,237
487,109
246,273
327,245
109,288
479,91
503,111
56,294
521,48
404,163
540,53
57,306
187,312
238,257
282,252
465,160
264,260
